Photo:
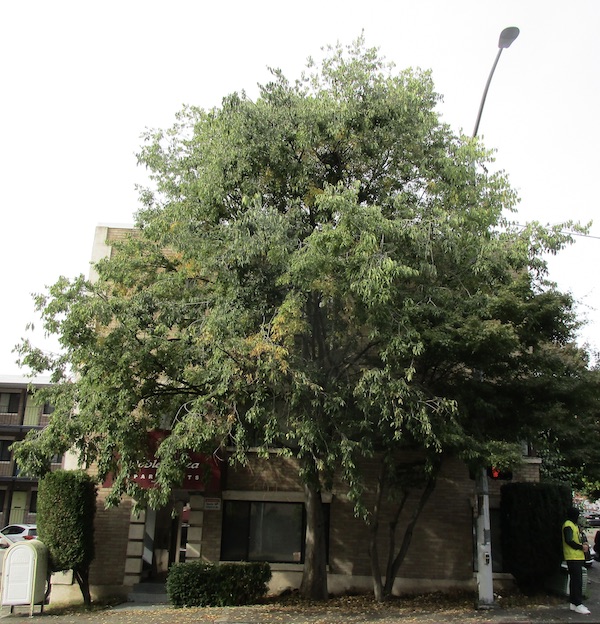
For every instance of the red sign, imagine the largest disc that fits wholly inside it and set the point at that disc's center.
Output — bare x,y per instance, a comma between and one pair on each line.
202,472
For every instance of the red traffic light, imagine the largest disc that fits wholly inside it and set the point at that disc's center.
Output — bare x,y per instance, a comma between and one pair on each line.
499,475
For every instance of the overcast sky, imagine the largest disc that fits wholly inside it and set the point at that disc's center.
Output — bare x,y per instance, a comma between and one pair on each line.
81,80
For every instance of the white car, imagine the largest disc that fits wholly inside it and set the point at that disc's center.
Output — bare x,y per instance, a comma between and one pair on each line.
17,532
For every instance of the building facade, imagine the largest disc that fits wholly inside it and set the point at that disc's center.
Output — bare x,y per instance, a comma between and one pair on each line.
19,414
256,513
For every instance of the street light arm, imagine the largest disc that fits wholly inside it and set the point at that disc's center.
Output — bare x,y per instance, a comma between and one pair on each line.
507,36
485,91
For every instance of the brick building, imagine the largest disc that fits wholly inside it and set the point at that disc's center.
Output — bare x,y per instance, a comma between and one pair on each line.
19,413
257,513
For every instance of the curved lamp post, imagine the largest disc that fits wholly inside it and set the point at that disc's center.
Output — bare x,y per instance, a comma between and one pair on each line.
507,36
485,582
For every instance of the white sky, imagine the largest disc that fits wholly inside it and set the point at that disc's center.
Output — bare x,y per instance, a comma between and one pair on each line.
81,80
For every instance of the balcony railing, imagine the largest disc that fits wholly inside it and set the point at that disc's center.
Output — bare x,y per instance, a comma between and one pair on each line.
12,419
33,417
9,469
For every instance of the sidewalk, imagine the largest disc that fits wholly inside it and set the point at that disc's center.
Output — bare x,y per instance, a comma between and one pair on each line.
334,613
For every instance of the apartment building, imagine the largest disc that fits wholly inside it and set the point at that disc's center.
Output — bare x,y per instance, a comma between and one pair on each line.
19,413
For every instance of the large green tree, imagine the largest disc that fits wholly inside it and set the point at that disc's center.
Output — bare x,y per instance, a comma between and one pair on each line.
327,270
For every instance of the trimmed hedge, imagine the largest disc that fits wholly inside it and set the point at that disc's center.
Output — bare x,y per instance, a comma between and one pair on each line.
65,518
199,584
532,515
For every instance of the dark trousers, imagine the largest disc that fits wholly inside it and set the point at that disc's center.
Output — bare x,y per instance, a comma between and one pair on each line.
575,568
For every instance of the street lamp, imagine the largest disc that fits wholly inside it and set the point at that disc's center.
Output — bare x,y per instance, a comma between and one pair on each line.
507,36
485,579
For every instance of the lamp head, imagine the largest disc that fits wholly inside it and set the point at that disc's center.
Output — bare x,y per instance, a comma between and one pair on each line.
507,36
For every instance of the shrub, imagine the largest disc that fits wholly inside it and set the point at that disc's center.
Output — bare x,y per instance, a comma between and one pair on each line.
532,515
199,584
65,521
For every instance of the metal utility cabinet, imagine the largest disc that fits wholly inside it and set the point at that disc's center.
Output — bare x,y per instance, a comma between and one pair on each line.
25,574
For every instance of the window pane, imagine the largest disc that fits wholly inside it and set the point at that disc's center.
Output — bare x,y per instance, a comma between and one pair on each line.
276,532
13,405
234,542
4,452
9,402
265,531
33,502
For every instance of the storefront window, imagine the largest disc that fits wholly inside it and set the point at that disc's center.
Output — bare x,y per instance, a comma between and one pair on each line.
263,531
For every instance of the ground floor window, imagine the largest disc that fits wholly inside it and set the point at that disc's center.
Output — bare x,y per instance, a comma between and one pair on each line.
265,531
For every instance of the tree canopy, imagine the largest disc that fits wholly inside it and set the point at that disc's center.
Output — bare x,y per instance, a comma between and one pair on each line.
327,270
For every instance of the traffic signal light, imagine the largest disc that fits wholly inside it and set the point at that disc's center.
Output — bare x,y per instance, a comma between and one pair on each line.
499,475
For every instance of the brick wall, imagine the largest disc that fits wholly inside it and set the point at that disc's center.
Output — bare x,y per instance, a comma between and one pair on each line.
211,534
110,539
441,546
272,474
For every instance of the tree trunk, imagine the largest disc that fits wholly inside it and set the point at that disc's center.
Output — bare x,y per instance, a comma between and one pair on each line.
373,531
83,580
314,579
392,526
394,566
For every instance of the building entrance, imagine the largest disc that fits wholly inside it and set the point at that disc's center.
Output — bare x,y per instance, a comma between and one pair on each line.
164,539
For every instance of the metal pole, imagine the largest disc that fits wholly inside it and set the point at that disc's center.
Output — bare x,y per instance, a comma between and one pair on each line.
485,576
485,91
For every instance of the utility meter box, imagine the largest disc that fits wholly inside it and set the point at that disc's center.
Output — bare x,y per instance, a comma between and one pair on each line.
25,574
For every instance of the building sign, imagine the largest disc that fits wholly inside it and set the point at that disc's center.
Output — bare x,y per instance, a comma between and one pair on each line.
212,504
202,473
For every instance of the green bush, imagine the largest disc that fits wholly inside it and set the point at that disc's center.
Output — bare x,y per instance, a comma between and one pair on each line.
198,584
65,522
532,515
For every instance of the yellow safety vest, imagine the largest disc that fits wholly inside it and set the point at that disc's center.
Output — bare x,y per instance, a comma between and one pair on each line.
568,551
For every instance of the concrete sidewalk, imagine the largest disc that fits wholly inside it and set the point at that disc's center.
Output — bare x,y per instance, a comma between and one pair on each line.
334,613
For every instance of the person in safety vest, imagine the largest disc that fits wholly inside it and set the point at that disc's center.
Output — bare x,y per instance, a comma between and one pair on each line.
574,553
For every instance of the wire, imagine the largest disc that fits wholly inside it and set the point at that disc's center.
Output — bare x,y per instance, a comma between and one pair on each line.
569,233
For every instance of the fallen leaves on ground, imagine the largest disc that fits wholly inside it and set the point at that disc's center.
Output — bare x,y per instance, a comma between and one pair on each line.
457,606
